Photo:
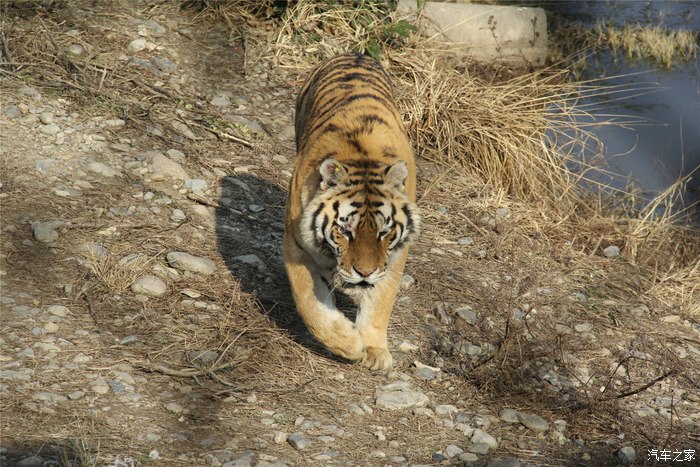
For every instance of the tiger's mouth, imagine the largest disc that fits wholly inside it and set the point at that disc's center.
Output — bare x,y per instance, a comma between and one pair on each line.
357,285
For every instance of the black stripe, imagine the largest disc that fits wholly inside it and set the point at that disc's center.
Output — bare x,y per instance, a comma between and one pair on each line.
314,216
358,147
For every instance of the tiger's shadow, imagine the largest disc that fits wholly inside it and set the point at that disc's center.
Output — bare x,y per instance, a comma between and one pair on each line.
249,232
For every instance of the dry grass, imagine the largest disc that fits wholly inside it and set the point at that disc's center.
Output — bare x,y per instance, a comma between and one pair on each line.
573,42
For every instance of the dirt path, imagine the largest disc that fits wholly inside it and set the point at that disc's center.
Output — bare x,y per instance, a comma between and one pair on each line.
114,353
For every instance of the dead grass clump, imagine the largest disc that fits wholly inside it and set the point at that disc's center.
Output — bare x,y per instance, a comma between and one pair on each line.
116,273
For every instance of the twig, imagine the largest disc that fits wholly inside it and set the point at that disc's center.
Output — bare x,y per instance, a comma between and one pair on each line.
668,373
183,373
221,134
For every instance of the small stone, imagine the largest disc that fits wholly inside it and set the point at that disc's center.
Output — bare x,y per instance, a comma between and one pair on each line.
480,436
160,164
407,281
465,241
509,416
51,129
378,454
446,409
75,395
44,233
46,118
426,374
58,310
280,159
612,251
479,448
467,314
670,319
50,327
397,400
280,437
533,422
583,327
196,185
130,339
406,346
187,262
100,386
103,169
173,407
49,397
220,100
452,451
626,455
149,285
178,215
137,45
298,441
246,124
253,260
255,208
286,133
356,410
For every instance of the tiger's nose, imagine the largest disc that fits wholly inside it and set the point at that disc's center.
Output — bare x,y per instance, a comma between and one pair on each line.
364,271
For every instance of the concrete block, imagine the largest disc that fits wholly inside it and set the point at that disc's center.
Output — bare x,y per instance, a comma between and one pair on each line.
486,33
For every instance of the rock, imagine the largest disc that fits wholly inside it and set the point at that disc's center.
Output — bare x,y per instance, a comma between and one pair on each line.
480,436
407,281
12,112
612,251
441,314
186,262
58,310
426,374
49,397
196,185
174,407
46,118
356,410
298,441
280,437
406,346
583,327
162,165
509,416
220,100
103,169
626,455
247,124
533,422
446,409
178,215
479,448
137,45
255,208
286,133
100,386
465,241
149,285
44,233
452,451
253,260
400,399
51,129
467,314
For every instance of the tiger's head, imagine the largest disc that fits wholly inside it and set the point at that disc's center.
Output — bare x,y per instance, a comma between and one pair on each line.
361,217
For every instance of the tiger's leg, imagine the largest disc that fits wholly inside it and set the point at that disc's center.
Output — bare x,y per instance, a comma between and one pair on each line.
316,305
373,317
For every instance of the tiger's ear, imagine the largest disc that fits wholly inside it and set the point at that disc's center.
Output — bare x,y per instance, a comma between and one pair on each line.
332,172
396,174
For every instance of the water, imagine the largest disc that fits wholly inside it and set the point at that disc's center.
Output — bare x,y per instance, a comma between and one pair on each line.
664,143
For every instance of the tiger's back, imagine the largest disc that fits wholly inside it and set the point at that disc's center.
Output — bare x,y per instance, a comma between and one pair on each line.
351,209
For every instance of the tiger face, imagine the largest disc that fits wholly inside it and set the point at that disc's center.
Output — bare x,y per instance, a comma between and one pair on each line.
361,217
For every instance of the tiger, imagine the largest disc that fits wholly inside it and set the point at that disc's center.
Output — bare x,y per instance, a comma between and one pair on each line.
351,213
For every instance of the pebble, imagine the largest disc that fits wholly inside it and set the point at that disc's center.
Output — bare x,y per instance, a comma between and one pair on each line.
480,436
253,260
280,437
583,327
137,45
50,327
103,169
407,281
31,461
467,314
58,310
397,400
178,215
446,409
174,407
612,251
406,346
507,462
186,262
49,397
453,451
44,233
163,166
479,448
509,416
298,441
426,374
149,285
533,422
626,455
196,185
46,118
51,129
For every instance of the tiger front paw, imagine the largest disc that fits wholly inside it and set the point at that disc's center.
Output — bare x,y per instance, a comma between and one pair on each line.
349,346
377,359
